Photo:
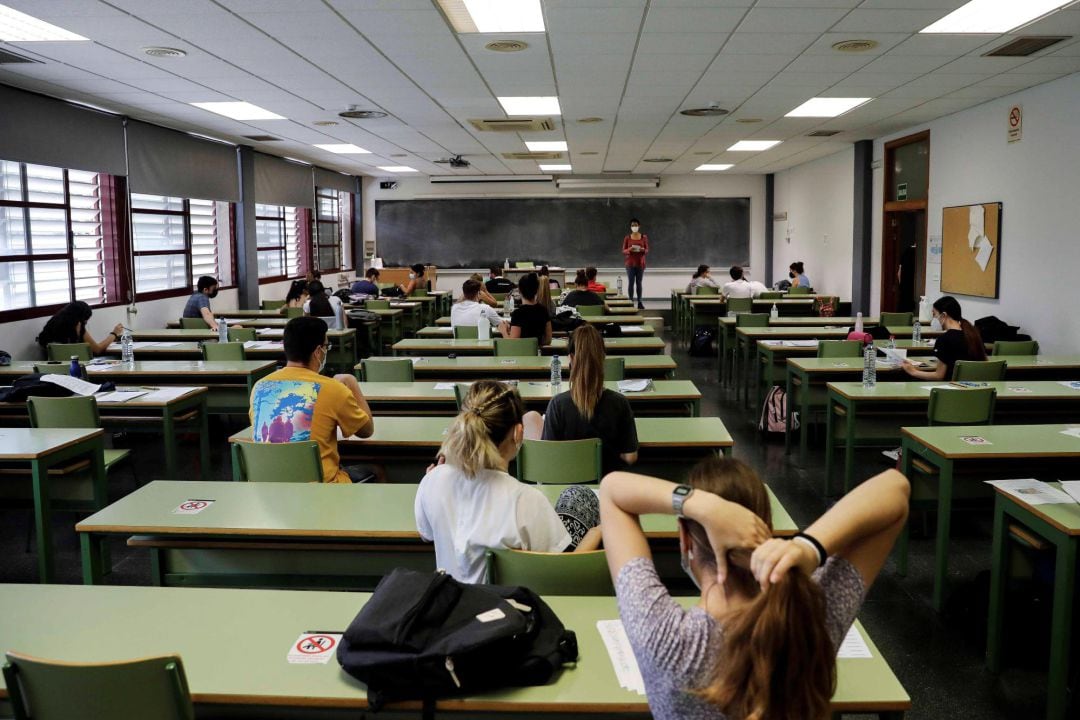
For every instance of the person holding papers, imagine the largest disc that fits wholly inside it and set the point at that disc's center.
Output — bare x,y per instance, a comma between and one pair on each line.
960,341
68,325
635,247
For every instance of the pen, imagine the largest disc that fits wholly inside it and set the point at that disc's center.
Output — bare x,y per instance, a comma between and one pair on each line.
324,632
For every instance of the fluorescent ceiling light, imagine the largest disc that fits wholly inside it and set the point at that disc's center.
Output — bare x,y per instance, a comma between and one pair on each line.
531,105
397,168
20,27
546,145
344,149
993,16
827,106
713,167
494,16
753,145
555,168
239,110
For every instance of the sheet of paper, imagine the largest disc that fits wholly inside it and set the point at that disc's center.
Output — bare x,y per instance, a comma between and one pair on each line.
415,360
622,655
772,343
637,385
1071,384
1074,431
1032,491
983,253
939,387
165,394
314,648
101,362
854,645
444,385
272,332
119,396
633,328
897,355
74,384
801,343
1072,487
165,344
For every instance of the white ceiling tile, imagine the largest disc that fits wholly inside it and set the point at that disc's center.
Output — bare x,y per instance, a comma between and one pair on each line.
940,45
787,19
887,20
593,19
693,19
662,43
592,43
777,43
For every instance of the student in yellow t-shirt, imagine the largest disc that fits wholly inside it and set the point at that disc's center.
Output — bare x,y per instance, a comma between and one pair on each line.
297,404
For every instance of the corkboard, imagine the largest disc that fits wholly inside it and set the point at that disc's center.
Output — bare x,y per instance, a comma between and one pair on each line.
961,273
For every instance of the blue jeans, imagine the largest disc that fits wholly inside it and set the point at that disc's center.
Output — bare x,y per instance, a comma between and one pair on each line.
634,274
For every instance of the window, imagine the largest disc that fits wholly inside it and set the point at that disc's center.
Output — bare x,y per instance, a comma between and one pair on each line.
333,230
177,241
279,230
52,243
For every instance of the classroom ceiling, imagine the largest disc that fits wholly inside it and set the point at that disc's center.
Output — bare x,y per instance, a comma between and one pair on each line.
633,63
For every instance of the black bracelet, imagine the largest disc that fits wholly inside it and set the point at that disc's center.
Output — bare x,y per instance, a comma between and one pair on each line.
822,555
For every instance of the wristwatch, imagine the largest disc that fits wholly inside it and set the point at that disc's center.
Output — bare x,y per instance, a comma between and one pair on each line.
679,496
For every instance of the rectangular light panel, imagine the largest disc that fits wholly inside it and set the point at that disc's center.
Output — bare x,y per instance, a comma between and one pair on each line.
707,167
531,105
993,16
20,27
239,110
753,145
546,145
494,16
555,168
827,107
397,168
344,149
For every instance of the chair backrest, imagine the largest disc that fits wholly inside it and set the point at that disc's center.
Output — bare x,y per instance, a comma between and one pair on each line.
459,395
896,319
387,370
771,295
614,368
584,573
278,462
292,312
740,305
64,351
799,290
516,347
148,688
466,332
500,297
839,348
590,310
377,304
561,462
419,292
58,368
230,351
272,304
969,406
748,319
706,290
193,324
241,335
1014,347
980,370
65,412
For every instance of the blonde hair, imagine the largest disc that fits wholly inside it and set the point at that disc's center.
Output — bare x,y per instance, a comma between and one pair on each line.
586,369
489,412
543,295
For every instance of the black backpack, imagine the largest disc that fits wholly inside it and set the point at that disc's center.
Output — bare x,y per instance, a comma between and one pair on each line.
702,344
426,635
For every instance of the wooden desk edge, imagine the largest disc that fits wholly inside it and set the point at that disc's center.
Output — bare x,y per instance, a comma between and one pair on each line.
1034,510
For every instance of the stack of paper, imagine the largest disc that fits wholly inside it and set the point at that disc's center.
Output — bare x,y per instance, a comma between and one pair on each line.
622,655
1071,384
74,384
1072,487
444,386
119,396
854,646
801,343
639,385
1032,491
633,328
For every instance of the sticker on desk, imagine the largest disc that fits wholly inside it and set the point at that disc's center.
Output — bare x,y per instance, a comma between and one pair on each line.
511,361
192,507
622,657
975,440
854,645
1071,384
1019,389
839,364
313,648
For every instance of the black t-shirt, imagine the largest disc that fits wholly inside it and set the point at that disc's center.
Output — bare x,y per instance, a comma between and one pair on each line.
612,422
499,285
532,319
581,297
951,347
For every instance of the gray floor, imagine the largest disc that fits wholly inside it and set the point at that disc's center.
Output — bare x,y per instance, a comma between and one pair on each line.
938,657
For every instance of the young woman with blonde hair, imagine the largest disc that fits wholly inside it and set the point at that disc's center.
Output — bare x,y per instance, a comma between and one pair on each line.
761,642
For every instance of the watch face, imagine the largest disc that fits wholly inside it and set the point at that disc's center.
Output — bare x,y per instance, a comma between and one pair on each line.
683,490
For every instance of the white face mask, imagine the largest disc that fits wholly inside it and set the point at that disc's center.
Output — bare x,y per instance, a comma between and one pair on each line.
322,363
684,560
412,276
634,228
935,323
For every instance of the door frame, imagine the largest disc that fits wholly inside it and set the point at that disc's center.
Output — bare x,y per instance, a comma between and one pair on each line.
888,248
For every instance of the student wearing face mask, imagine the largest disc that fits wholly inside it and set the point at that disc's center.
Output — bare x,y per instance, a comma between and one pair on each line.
635,247
798,275
297,404
416,280
198,305
960,341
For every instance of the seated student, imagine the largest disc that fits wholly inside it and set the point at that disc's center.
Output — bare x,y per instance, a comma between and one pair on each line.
312,275
468,311
68,325
553,284
367,286
198,305
588,409
798,275
960,341
530,319
590,273
739,287
297,404
417,281
468,502
756,288
701,278
296,297
762,641
483,295
581,295
497,284
543,295
327,307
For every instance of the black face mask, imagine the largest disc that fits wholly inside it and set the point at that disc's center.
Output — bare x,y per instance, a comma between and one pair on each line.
213,293
790,275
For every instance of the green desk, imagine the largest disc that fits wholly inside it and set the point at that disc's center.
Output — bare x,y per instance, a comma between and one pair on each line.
276,313
767,342
39,450
272,320
177,344
519,368
391,317
1012,451
705,309
616,318
1059,524
444,347
879,412
439,331
229,382
422,397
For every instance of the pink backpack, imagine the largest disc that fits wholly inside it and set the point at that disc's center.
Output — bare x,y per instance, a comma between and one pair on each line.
774,413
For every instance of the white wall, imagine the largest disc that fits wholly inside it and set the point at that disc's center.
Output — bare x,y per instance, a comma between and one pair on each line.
1036,179
818,198
657,283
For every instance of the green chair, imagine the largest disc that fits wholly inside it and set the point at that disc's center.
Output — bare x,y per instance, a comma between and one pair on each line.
460,389
799,291
771,295
277,462
839,348
58,368
584,573
241,335
559,462
64,351
294,312
517,347
227,352
377,305
740,305
466,332
153,687
419,292
524,264
499,297
614,368
590,310
749,319
272,304
895,319
979,370
387,370
969,406
1015,347
193,324
706,290
70,412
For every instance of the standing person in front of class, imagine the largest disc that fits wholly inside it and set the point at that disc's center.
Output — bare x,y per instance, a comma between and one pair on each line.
635,247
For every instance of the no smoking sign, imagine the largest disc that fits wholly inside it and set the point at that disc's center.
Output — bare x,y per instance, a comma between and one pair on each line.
1016,123
192,506
313,648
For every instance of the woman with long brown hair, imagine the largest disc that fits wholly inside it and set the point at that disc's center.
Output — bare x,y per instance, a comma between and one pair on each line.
960,341
761,643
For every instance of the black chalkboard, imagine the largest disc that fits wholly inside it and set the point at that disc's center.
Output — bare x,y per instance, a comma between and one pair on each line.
571,232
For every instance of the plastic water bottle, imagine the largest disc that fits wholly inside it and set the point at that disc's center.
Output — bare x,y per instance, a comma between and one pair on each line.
506,264
483,328
75,370
618,284
858,323
892,342
508,304
924,310
774,312
127,347
556,372
916,332
869,372
222,330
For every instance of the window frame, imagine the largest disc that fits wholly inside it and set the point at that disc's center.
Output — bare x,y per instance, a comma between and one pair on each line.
303,241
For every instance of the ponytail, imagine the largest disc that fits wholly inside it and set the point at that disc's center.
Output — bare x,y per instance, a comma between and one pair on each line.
489,412
319,305
586,369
